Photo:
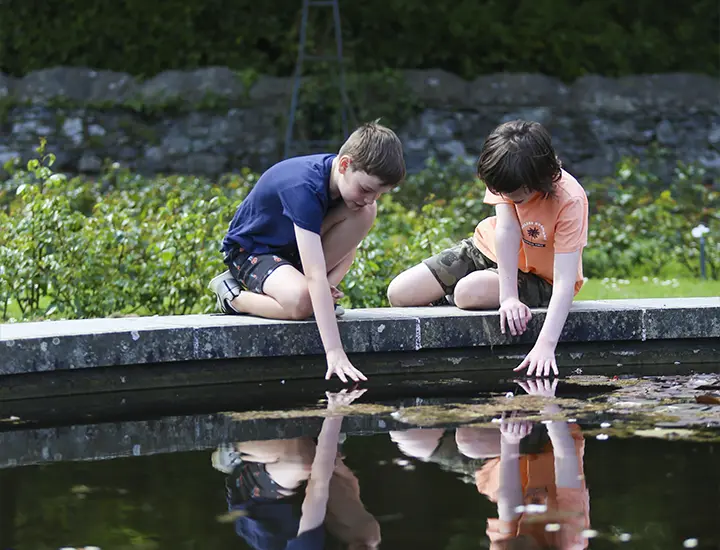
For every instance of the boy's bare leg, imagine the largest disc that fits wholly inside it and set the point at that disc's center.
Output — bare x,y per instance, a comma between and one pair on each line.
342,231
478,442
337,273
416,286
285,297
285,293
478,290
418,443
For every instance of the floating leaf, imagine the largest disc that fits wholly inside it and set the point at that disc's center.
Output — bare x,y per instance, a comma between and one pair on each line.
708,399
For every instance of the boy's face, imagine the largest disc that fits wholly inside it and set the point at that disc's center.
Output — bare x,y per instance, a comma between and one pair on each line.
358,189
518,196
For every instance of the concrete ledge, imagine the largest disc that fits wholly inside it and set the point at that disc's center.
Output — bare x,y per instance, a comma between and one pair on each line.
62,345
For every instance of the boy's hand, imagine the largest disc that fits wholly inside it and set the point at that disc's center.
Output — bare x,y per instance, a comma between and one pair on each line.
513,429
540,360
342,398
542,388
338,363
336,293
516,314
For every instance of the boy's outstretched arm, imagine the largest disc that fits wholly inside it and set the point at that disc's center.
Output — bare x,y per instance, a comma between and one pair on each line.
507,245
313,261
541,359
314,505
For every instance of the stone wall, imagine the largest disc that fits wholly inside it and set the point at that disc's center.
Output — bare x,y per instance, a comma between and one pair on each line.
211,120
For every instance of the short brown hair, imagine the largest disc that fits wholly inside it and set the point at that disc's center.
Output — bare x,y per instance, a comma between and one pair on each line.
519,154
377,151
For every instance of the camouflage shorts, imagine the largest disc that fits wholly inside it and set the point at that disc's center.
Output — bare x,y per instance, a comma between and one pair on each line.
452,264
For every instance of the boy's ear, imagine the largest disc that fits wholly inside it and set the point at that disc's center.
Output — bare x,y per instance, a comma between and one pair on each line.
344,163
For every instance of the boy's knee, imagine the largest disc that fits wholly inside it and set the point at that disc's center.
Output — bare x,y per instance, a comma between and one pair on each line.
464,295
397,293
478,443
366,215
418,443
370,212
477,291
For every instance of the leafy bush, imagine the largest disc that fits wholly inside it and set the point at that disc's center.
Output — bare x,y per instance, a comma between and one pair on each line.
556,37
122,244
640,227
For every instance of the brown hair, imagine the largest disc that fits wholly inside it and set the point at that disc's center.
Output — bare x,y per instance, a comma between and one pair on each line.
377,151
519,154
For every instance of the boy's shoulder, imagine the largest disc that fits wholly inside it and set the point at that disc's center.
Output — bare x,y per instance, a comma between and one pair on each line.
569,189
317,166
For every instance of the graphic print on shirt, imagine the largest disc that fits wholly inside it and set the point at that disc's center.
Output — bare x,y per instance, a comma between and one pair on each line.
533,234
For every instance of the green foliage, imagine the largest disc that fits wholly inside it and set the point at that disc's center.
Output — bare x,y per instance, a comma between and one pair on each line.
78,248
381,94
641,228
123,245
556,37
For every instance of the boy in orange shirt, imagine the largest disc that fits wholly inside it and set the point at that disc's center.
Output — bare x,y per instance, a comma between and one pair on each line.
528,255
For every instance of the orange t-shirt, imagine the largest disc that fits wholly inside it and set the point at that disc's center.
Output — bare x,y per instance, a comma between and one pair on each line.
568,507
554,225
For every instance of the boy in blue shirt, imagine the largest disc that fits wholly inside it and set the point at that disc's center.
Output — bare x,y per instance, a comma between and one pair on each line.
294,237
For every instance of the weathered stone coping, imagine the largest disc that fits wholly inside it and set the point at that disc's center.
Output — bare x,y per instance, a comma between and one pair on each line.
61,345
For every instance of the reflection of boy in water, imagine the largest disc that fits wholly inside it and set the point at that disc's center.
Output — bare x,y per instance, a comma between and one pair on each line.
290,491
534,474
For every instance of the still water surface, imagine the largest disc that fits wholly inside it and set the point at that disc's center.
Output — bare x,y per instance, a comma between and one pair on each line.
584,464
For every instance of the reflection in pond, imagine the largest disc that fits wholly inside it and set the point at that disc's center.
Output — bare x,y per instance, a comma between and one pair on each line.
525,469
532,471
292,493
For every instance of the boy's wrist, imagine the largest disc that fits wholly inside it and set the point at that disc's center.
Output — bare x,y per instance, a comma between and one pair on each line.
335,352
546,341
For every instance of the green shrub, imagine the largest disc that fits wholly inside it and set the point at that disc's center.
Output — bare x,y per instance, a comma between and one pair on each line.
556,37
640,227
123,244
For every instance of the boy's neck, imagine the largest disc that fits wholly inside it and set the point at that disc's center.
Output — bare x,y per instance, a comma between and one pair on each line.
334,177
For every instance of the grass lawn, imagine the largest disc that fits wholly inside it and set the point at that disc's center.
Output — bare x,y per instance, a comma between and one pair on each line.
647,287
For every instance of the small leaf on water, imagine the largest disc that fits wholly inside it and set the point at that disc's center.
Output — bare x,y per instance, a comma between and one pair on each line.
708,399
231,516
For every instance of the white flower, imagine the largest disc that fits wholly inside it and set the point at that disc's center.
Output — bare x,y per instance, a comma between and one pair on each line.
700,230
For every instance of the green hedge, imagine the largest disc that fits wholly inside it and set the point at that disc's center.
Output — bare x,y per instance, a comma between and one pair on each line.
564,38
128,245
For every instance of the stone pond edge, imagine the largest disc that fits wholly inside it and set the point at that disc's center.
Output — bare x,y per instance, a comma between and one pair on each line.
61,345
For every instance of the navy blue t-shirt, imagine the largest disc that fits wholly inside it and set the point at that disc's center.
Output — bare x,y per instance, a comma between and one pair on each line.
295,191
273,525
309,540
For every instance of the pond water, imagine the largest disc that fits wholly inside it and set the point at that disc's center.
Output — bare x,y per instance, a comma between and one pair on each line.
588,462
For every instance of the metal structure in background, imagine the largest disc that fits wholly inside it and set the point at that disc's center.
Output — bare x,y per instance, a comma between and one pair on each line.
302,58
